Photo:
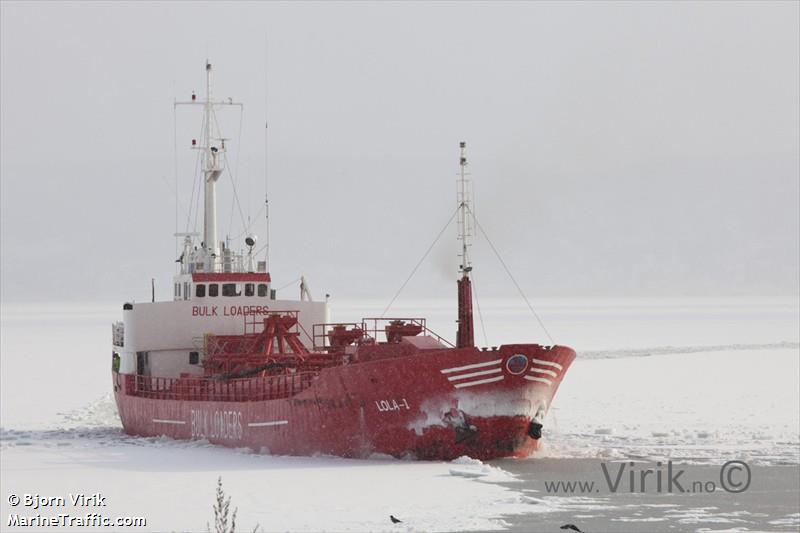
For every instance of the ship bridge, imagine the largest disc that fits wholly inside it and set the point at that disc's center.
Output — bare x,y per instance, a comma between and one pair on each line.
232,274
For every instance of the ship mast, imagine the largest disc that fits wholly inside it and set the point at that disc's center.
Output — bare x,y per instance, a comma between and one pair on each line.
212,149
465,336
212,169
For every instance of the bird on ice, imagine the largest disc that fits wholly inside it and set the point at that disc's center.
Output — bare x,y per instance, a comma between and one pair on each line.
394,520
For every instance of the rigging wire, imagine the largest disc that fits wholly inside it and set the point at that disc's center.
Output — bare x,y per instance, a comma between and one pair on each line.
178,204
198,179
266,148
513,280
475,290
235,195
235,173
251,223
200,184
420,261
478,306
260,250
175,168
196,165
288,284
228,167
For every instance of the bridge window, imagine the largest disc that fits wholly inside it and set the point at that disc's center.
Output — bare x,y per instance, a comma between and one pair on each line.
229,289
263,290
200,290
194,358
213,289
249,289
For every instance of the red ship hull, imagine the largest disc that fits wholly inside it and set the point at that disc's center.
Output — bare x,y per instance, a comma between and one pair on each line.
436,404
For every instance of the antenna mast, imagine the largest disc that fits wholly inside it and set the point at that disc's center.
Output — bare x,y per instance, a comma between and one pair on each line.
212,170
266,148
212,152
465,337
464,207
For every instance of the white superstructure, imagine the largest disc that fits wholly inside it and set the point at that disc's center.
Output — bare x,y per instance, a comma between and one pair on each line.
216,289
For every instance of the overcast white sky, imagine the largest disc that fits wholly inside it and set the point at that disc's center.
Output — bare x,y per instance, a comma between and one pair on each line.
617,149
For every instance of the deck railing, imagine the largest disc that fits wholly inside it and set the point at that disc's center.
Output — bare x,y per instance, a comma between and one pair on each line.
377,326
208,389
374,329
